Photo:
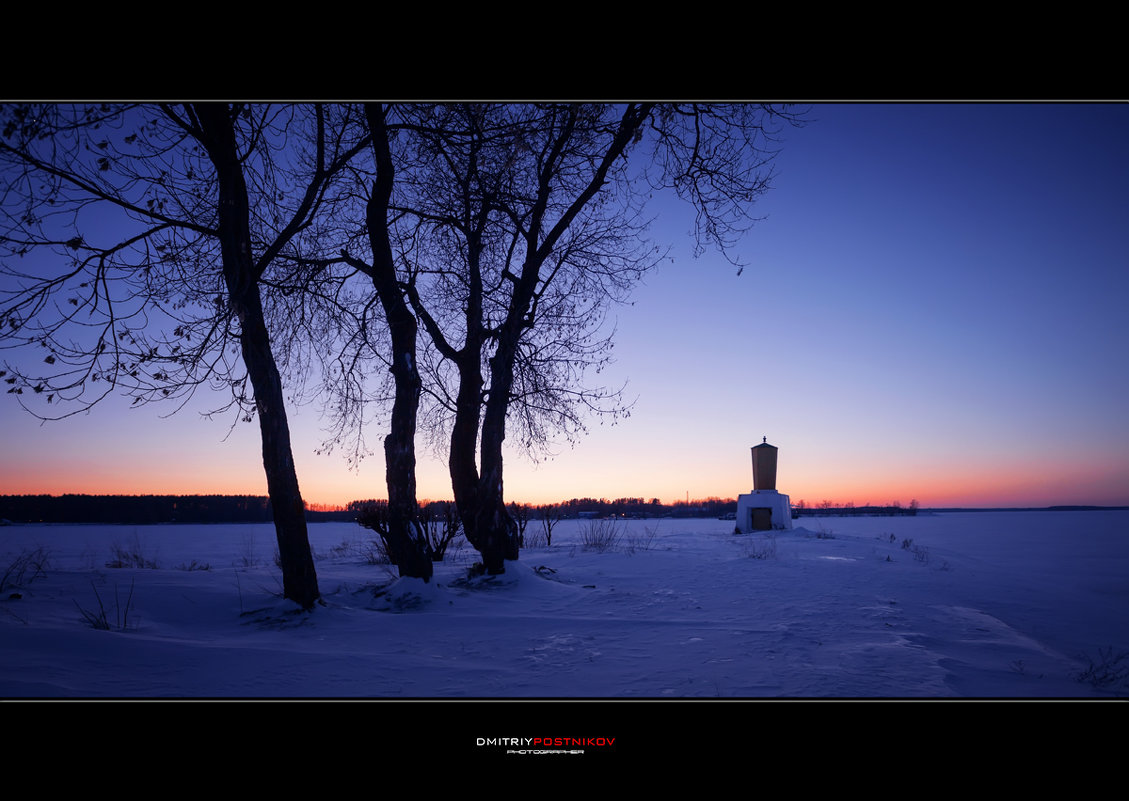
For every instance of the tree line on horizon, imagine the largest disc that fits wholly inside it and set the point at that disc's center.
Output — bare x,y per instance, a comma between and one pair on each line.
135,509
801,508
443,268
152,509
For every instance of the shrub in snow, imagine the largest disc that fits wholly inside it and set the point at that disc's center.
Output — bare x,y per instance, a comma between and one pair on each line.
1107,670
636,541
375,552
599,535
247,558
25,568
100,619
535,539
131,555
761,548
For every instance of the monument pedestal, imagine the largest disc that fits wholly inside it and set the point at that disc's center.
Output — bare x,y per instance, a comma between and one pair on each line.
763,510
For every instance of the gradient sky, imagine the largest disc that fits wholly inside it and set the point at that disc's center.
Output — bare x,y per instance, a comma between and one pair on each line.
934,308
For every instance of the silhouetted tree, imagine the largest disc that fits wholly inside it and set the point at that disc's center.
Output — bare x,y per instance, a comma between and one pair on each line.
519,512
509,230
442,525
412,550
550,515
149,235
531,224
368,327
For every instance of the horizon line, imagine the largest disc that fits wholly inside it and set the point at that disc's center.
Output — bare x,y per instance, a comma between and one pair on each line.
313,506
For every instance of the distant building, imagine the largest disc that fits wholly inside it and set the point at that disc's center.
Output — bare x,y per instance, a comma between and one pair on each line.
764,509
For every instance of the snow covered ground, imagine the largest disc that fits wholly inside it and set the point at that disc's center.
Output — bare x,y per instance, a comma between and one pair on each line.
967,605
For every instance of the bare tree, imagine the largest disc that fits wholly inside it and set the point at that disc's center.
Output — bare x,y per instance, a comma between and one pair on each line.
150,234
550,515
527,225
570,153
519,512
441,522
404,533
507,232
458,188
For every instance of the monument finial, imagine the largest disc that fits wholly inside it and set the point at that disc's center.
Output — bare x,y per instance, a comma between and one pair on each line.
764,439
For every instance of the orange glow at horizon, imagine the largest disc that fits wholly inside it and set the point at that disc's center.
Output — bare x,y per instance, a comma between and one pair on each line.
989,489
135,460
168,459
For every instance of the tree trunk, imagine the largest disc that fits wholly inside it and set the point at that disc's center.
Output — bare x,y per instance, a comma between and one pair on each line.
299,578
408,545
477,497
461,462
497,530
487,523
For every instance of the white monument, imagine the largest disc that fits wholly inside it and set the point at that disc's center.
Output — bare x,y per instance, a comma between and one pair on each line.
764,509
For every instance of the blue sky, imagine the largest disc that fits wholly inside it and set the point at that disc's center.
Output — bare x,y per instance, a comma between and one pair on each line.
933,307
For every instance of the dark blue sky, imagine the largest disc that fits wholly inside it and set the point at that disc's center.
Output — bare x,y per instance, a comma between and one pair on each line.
933,308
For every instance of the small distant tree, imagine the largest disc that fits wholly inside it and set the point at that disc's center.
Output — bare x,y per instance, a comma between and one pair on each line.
373,515
520,514
438,523
549,514
441,525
